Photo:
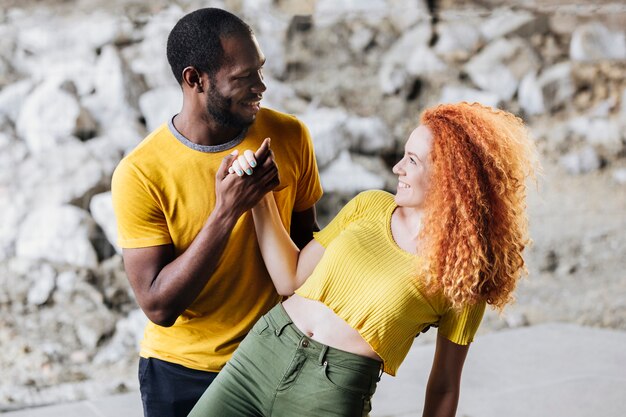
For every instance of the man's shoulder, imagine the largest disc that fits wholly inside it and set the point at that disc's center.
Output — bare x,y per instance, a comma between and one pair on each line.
147,151
273,118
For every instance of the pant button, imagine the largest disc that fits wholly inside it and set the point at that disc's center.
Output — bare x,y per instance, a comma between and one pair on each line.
305,343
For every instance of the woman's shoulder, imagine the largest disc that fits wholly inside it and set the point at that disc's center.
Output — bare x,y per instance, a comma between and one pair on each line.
375,198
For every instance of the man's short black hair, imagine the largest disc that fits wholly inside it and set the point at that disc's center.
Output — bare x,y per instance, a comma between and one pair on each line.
195,40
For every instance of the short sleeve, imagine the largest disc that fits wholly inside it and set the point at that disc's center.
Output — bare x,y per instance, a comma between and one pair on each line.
460,326
309,185
140,220
345,216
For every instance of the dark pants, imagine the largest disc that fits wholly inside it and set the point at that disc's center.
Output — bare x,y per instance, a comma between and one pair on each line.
169,389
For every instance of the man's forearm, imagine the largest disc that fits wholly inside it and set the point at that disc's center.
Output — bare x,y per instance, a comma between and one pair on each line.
178,283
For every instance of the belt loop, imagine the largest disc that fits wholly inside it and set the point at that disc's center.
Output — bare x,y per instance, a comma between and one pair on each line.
322,354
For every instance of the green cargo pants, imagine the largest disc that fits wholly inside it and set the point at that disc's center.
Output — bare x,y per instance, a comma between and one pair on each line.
279,372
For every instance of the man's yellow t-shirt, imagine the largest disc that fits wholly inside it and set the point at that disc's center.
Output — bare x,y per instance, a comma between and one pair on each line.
163,192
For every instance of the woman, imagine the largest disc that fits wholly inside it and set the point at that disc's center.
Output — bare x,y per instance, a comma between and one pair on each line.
386,268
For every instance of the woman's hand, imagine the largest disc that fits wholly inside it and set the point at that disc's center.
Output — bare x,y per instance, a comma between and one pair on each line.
245,163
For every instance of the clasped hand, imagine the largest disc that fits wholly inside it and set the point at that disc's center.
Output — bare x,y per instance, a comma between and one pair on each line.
243,180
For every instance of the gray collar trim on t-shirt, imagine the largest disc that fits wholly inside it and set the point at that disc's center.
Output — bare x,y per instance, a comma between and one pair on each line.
206,148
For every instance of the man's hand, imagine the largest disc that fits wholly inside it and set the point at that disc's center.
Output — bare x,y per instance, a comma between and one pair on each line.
252,176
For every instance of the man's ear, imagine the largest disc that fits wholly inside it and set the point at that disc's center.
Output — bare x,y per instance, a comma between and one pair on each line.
193,79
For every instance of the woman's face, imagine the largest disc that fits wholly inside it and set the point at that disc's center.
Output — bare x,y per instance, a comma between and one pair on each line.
414,169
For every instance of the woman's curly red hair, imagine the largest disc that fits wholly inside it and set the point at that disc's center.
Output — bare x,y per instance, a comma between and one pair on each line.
475,226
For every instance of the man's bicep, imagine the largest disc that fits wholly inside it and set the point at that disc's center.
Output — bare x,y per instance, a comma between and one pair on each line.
143,265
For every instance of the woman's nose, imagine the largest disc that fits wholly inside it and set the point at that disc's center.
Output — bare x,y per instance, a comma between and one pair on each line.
397,168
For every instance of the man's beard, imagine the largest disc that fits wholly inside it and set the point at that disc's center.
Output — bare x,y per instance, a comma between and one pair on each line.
219,106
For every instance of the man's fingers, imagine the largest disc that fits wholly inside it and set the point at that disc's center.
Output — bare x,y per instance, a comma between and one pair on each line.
227,161
261,153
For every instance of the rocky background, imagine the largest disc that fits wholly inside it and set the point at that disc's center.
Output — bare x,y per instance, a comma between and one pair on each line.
82,82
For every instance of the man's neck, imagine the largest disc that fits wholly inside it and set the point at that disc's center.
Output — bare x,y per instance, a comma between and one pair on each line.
203,131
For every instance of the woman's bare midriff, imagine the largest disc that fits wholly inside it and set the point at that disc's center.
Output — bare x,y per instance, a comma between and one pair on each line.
320,323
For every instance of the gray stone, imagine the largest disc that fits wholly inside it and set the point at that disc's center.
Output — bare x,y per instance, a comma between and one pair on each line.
12,97
369,135
601,132
557,85
58,234
44,126
46,181
43,286
530,95
500,66
619,176
456,94
457,38
393,74
149,57
159,105
327,128
101,208
404,14
582,161
423,61
343,175
594,41
504,21
127,336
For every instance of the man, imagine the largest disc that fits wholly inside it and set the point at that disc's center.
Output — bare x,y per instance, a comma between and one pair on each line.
184,223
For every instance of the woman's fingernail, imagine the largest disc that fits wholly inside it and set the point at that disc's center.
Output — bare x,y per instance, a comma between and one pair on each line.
239,172
252,164
231,170
249,171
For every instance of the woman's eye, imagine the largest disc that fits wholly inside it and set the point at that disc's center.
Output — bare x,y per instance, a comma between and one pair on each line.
413,161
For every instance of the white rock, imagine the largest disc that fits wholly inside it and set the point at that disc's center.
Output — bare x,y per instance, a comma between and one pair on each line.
345,176
49,116
12,212
328,131
619,176
504,21
456,94
12,97
599,131
457,37
58,234
66,281
404,14
361,37
500,66
270,28
393,74
369,135
40,34
149,57
282,96
114,83
581,162
329,12
159,105
557,85
101,208
46,181
75,65
593,41
42,288
128,334
423,61
530,95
